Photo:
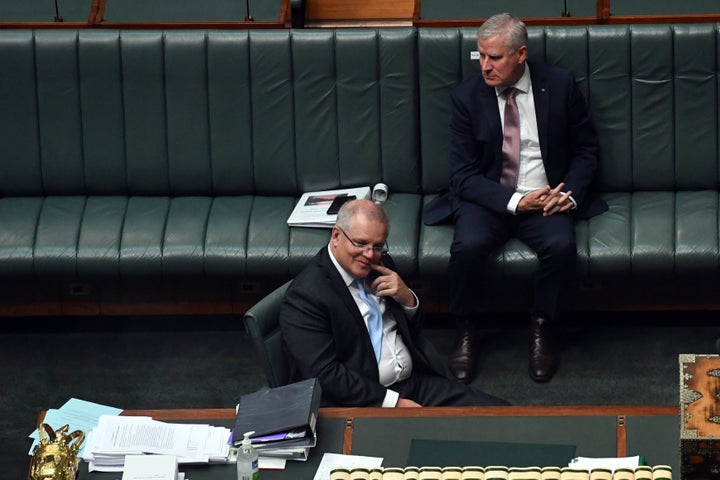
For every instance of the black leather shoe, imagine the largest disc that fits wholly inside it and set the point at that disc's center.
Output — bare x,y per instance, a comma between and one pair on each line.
543,358
462,356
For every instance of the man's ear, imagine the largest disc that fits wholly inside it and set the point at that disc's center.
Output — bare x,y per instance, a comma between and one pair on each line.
522,54
334,235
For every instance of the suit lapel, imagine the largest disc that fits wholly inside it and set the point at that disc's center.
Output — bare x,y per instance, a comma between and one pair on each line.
489,103
339,289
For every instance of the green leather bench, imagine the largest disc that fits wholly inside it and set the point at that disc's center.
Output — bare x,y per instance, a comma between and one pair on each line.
177,156
654,101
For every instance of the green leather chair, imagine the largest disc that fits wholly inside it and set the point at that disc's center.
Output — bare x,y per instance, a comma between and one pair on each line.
262,323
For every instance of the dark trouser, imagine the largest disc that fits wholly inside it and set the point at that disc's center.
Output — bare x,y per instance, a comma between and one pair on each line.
431,390
480,232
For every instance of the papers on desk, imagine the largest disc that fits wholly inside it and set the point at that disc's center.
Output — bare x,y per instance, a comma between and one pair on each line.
587,463
109,437
155,467
78,414
336,460
114,437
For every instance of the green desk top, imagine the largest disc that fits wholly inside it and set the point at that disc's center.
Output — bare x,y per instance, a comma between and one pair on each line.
655,438
592,436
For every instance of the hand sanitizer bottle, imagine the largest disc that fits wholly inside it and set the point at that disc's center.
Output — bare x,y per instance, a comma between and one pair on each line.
247,460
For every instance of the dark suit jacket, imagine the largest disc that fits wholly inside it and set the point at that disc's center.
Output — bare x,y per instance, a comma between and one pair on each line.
568,143
326,337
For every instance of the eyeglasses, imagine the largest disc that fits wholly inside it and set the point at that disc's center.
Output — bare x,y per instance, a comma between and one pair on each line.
364,246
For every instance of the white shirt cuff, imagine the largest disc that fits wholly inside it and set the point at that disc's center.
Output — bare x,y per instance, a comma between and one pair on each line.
513,203
412,311
573,202
391,398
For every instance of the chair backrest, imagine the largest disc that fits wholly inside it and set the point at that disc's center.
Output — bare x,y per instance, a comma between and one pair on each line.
262,323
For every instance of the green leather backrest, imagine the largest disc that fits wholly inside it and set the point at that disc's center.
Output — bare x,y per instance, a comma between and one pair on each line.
262,322
266,112
652,96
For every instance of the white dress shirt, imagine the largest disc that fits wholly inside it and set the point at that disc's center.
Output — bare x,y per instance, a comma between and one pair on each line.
395,361
531,175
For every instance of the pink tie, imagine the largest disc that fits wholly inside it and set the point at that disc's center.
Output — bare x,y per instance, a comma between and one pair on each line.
511,141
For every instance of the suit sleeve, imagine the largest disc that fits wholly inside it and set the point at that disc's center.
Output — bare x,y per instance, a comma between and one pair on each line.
472,154
323,344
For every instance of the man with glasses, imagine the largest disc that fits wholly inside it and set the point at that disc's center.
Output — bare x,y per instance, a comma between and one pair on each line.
351,321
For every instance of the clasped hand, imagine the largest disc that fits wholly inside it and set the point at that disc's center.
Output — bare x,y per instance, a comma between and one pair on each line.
548,200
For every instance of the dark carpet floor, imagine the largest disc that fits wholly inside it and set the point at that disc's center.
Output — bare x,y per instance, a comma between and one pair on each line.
156,362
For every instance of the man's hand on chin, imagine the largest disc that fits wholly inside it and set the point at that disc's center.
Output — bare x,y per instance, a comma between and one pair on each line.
390,284
406,402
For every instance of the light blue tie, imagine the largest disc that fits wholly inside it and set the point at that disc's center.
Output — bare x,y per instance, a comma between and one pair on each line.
374,322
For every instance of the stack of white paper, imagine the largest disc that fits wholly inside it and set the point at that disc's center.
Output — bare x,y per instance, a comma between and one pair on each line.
156,467
115,437
612,463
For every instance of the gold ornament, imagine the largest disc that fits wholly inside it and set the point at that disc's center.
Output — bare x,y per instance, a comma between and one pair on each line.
55,458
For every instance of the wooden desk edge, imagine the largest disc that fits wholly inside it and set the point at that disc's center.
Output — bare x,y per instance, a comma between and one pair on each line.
372,412
513,411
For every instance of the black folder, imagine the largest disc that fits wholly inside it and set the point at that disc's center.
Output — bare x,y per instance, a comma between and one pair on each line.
288,414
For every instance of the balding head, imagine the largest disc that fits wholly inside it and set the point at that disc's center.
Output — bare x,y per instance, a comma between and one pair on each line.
370,210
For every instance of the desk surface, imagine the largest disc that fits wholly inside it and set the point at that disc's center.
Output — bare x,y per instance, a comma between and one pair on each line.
650,431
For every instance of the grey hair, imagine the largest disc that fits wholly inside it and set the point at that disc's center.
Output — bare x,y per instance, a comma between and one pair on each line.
508,25
371,210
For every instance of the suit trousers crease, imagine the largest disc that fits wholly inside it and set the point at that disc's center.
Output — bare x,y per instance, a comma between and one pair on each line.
480,232
433,390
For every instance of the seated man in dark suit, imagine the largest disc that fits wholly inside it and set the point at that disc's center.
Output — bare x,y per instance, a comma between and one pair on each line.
523,155
351,321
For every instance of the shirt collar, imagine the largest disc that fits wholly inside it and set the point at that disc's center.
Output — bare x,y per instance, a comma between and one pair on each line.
523,84
347,278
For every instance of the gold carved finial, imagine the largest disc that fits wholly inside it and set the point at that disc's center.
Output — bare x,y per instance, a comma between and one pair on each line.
55,458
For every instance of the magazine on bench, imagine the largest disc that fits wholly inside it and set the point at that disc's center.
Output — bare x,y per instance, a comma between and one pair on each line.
319,209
